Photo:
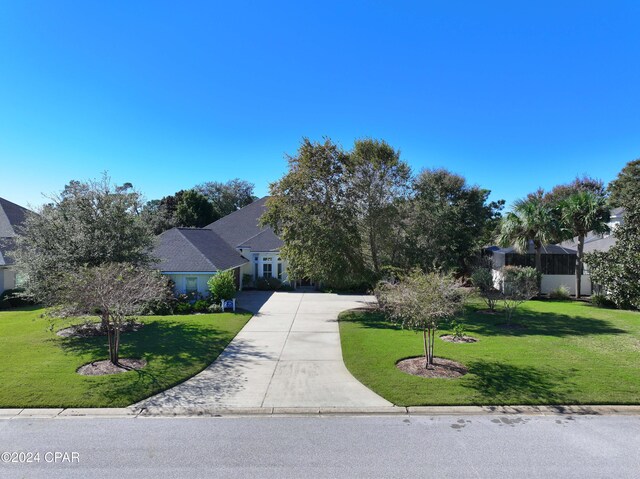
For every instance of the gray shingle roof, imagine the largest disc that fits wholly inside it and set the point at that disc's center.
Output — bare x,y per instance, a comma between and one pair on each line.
241,228
546,249
194,250
11,216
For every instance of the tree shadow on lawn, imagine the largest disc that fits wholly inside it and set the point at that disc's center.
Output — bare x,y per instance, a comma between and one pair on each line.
533,323
499,383
178,345
368,318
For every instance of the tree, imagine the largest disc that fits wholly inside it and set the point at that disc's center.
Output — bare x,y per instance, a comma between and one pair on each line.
377,181
625,189
517,285
531,220
482,278
194,210
311,211
581,213
158,216
222,285
118,290
617,271
227,197
421,302
448,221
88,224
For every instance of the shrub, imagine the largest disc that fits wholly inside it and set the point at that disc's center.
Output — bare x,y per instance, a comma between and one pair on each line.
222,285
183,308
247,280
482,278
13,298
458,329
201,306
561,293
518,284
601,301
215,308
268,284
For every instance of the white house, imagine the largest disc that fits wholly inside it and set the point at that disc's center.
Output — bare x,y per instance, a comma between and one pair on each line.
558,266
190,256
11,216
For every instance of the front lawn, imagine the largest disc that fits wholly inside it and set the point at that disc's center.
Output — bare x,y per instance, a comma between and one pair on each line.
565,353
38,368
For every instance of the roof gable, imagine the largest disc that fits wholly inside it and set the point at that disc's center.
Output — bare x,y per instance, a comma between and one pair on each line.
194,250
241,228
11,215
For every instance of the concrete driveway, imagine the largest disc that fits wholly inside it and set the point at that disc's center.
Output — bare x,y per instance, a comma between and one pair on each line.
287,355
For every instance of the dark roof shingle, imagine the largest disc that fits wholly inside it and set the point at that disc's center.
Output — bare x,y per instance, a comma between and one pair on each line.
194,250
241,228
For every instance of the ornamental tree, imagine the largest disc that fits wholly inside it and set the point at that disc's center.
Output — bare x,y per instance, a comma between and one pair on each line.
118,291
421,302
222,285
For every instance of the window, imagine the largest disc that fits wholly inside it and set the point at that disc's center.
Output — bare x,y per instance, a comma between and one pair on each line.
267,270
280,271
191,284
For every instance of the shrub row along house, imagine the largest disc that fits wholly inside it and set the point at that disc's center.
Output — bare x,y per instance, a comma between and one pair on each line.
558,261
190,256
11,216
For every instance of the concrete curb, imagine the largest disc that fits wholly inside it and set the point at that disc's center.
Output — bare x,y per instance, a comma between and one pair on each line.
160,412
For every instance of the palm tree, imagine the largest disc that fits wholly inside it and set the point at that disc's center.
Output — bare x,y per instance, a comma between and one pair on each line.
580,213
530,220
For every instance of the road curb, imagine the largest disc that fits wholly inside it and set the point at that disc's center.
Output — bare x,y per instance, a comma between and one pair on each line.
166,412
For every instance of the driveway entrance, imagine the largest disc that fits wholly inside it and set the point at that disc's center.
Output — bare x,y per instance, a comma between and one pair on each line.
288,355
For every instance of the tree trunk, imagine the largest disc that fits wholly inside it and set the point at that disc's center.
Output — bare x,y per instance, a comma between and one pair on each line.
538,251
433,339
104,321
426,348
579,265
374,249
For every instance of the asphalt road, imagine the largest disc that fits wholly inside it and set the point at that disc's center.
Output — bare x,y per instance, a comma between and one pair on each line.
309,447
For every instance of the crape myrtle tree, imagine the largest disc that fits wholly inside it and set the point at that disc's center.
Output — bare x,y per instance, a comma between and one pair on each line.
118,290
88,224
421,302
448,221
517,285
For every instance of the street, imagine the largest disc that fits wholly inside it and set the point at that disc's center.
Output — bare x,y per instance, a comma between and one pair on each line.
504,446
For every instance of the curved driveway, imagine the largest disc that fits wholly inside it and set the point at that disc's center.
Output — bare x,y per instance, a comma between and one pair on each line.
287,355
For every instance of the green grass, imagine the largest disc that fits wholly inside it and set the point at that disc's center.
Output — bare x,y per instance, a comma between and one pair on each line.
38,368
566,353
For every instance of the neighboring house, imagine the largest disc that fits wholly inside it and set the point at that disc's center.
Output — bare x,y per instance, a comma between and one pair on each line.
11,216
600,242
558,266
190,256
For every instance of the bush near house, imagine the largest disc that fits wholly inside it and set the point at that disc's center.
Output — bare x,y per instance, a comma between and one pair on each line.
222,286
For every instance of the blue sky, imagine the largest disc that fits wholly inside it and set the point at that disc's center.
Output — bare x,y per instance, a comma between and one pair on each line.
166,95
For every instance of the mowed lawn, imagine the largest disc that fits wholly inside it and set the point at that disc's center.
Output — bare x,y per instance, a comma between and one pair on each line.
38,368
565,353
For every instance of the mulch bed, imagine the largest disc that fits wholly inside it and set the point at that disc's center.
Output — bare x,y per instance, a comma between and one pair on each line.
92,330
101,368
442,368
450,338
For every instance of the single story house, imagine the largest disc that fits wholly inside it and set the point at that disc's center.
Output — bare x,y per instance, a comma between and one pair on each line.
11,216
558,266
190,256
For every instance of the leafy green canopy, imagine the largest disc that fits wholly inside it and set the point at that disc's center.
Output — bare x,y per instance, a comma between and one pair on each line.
222,285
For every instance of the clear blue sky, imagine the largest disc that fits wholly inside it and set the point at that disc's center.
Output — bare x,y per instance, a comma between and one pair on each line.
513,95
